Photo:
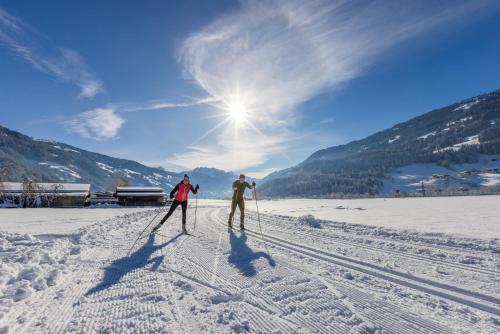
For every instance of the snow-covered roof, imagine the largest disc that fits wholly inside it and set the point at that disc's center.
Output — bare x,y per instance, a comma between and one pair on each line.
139,189
76,189
140,194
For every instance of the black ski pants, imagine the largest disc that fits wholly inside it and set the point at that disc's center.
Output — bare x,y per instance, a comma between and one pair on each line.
174,206
240,202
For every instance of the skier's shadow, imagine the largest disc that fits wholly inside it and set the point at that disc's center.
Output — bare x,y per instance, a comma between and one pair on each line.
140,258
242,256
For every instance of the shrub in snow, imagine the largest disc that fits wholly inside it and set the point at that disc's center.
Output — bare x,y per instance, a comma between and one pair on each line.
310,221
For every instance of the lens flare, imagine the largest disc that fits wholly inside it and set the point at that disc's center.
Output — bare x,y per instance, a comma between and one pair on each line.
238,112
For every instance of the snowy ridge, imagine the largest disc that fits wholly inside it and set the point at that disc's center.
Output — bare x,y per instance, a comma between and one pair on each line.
468,105
392,140
472,140
470,176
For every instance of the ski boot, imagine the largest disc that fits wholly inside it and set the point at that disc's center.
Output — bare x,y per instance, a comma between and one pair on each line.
242,227
184,231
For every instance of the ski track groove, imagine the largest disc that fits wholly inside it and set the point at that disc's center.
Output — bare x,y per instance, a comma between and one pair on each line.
452,293
391,321
473,294
178,308
89,312
394,319
340,240
203,269
302,295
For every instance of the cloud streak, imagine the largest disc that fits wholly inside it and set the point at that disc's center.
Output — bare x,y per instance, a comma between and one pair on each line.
65,64
104,123
272,56
98,124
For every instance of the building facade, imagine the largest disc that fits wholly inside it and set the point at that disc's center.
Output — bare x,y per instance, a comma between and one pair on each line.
35,195
140,196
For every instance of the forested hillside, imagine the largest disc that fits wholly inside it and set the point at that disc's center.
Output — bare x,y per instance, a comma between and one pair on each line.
455,134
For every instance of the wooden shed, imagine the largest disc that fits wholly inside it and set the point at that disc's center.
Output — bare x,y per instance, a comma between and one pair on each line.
36,194
140,196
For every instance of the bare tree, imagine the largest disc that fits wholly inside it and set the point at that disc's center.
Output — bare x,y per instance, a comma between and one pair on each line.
27,193
6,175
119,180
56,189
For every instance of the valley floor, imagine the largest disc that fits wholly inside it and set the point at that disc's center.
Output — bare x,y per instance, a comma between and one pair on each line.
302,275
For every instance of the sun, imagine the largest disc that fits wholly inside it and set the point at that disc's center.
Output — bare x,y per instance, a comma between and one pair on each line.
238,112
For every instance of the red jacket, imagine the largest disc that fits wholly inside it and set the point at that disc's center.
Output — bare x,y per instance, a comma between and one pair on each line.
182,191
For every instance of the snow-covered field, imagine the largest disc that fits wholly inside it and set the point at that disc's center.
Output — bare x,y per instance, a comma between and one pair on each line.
304,275
56,221
471,176
472,216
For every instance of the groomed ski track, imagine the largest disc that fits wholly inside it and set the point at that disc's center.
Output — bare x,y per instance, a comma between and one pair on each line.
291,279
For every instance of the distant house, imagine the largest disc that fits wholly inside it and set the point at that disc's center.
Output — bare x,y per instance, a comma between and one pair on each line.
140,196
103,198
35,194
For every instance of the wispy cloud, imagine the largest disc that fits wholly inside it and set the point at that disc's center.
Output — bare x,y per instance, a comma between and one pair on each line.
328,120
159,105
273,55
248,148
99,124
62,63
104,123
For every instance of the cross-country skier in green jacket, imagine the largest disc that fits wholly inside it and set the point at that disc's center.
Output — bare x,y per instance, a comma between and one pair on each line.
239,187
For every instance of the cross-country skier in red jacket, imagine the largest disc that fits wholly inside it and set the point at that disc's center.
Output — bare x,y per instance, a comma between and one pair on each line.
181,198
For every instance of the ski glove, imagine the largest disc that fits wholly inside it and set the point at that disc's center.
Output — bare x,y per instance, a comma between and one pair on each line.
253,184
171,196
197,187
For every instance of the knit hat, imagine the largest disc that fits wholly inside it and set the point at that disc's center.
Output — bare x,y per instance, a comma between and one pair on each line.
186,176
242,176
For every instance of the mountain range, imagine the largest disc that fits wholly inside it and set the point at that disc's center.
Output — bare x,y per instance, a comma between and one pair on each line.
459,136
23,157
456,134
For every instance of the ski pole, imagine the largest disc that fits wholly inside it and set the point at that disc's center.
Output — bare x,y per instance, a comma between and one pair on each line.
195,210
258,219
150,222
230,209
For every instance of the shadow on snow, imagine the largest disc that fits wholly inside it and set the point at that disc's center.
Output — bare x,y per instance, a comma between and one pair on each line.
242,256
140,258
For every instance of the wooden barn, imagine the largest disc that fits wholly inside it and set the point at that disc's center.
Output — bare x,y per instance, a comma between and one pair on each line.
103,198
140,196
35,194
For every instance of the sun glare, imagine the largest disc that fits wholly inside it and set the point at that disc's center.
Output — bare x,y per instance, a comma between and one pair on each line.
237,112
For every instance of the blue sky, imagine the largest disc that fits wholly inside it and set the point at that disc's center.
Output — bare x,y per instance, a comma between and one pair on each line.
247,86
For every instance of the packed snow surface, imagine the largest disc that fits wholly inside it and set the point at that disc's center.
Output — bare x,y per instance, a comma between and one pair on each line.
56,221
300,275
472,216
